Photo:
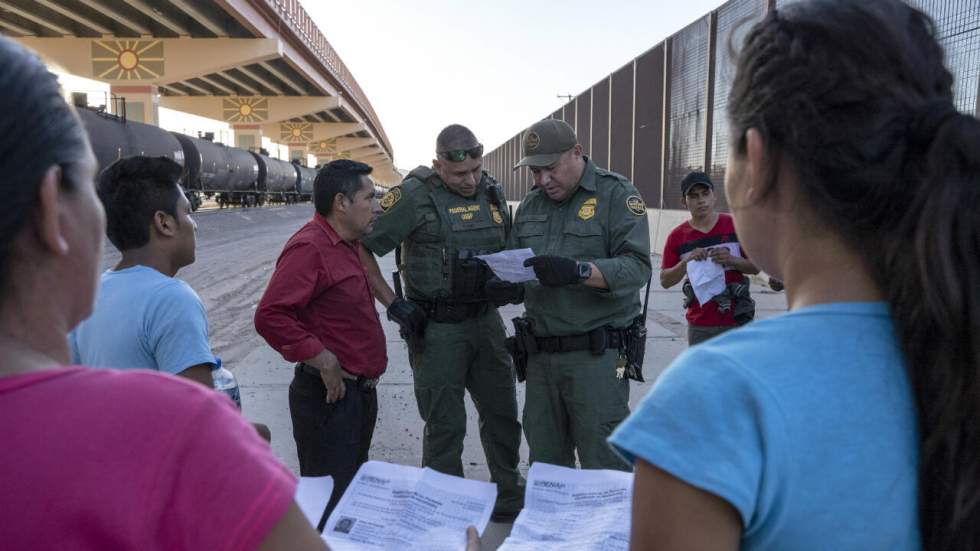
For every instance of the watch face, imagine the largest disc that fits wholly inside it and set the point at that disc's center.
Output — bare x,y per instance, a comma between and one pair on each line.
584,270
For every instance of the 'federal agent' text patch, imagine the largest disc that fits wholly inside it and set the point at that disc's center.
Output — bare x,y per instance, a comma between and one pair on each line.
636,205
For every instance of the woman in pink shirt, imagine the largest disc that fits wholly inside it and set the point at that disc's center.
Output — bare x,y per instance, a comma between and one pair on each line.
102,459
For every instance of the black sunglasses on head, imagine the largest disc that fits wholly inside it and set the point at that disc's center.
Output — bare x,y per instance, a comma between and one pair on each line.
457,155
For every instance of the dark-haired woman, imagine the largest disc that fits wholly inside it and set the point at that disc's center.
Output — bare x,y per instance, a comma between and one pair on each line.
853,421
102,459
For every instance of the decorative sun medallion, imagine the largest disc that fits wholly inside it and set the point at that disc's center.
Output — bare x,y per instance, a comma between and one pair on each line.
324,147
127,59
295,132
238,109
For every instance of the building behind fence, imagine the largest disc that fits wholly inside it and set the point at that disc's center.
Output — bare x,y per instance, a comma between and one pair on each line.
663,114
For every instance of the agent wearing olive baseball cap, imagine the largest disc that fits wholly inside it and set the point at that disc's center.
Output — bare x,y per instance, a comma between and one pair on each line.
544,143
588,228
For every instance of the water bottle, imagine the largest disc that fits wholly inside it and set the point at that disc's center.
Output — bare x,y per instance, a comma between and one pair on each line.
226,382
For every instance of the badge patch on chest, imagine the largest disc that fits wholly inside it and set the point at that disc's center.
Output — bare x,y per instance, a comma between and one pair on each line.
587,210
495,214
393,196
636,205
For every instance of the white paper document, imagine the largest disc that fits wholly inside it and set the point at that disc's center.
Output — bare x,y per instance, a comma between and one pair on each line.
509,265
573,509
707,277
391,506
312,495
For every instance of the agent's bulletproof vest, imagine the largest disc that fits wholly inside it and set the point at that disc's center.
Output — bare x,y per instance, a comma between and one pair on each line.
438,256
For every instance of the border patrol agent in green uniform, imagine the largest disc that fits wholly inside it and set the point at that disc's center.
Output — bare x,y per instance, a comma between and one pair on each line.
589,228
442,218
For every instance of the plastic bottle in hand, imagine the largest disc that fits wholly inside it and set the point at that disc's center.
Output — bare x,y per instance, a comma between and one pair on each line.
225,381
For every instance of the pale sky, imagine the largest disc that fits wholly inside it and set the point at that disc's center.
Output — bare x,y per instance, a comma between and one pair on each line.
495,66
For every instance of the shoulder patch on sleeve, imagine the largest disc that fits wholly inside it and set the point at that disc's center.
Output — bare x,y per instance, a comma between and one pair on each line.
393,196
635,204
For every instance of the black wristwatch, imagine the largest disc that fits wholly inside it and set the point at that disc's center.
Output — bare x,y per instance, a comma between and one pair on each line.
584,271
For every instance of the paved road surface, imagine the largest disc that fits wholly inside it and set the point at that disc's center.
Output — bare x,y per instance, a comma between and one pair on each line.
236,253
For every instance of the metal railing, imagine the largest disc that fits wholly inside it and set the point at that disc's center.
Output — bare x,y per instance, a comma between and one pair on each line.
292,13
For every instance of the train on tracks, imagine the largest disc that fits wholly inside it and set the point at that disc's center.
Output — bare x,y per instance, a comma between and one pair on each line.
229,175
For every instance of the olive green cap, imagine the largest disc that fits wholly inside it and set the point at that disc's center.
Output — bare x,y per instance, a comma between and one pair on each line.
545,141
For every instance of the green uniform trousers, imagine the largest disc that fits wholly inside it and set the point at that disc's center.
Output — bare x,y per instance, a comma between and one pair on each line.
574,401
470,355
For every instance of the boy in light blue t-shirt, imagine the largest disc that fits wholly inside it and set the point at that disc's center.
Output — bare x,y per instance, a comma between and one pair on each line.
144,317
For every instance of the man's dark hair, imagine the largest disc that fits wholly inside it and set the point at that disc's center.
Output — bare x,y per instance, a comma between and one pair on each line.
455,136
340,176
132,191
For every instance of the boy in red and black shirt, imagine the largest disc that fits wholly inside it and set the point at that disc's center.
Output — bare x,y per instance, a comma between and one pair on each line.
707,235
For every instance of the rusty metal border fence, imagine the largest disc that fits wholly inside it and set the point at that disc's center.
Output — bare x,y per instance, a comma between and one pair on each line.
663,114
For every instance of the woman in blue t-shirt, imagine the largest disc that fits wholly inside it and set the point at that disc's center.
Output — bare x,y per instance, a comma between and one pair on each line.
853,421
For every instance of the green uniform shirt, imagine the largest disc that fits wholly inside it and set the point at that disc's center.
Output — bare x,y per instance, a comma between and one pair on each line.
604,221
434,224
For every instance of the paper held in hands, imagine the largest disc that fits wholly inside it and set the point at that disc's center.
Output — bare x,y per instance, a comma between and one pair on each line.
509,265
391,506
707,276
577,509
312,495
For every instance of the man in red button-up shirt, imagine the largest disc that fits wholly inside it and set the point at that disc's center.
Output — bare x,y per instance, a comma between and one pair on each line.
318,311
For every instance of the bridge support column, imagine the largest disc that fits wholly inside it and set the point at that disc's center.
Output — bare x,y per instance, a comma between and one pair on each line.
298,151
142,103
248,136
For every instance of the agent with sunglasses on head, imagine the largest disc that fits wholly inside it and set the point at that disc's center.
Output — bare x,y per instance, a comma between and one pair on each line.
440,219
588,227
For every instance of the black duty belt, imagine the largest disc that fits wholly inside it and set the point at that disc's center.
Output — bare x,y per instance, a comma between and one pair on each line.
574,343
363,383
444,311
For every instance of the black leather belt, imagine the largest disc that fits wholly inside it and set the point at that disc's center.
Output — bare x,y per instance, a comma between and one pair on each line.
363,383
585,341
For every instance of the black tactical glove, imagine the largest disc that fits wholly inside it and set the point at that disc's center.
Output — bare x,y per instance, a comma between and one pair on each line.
501,292
411,319
554,271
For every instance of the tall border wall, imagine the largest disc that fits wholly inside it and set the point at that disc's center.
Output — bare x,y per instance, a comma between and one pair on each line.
663,113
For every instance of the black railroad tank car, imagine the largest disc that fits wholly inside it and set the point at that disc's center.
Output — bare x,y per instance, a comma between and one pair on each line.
232,176
216,170
113,138
277,179
306,177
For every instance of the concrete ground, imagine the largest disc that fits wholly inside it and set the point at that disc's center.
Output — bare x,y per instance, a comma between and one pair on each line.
237,251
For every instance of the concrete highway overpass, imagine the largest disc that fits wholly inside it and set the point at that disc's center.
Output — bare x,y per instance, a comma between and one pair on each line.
262,66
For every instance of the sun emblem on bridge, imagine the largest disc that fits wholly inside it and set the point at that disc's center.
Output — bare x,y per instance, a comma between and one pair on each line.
296,132
238,109
323,147
127,59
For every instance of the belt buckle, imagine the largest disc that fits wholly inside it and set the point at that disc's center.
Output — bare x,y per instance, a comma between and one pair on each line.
368,384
